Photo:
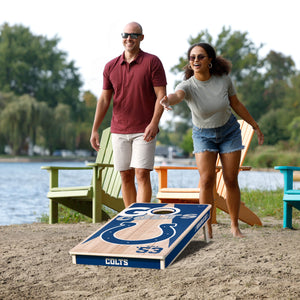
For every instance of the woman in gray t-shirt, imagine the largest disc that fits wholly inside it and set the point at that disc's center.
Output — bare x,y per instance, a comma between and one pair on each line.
210,95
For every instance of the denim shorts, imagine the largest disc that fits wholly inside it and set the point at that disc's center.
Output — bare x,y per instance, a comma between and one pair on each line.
224,139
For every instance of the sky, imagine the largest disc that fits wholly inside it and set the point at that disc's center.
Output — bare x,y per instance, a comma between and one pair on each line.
90,30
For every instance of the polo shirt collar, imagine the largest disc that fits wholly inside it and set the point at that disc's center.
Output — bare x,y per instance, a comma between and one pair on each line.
136,60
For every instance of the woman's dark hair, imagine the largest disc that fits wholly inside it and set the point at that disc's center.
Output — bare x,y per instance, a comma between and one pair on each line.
220,65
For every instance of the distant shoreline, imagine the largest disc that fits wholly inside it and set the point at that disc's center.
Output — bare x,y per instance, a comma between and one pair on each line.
175,161
19,159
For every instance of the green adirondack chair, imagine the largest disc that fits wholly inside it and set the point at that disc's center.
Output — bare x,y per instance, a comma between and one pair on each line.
89,200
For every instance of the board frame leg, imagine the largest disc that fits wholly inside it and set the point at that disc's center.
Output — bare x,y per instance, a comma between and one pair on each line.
205,232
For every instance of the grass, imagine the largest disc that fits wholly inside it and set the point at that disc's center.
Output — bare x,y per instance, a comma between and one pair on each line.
67,215
263,203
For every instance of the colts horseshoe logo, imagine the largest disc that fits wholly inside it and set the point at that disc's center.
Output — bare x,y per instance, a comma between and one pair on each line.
109,235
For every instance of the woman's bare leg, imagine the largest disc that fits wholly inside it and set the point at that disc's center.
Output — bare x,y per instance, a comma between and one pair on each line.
206,163
230,164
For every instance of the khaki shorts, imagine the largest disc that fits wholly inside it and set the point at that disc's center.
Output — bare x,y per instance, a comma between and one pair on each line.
132,151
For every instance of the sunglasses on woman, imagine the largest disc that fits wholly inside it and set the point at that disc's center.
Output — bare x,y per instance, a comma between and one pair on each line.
199,57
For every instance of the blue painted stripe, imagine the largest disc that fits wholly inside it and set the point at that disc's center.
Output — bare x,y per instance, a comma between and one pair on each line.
176,251
118,261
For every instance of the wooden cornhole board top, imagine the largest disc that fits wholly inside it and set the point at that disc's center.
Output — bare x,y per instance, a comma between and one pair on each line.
144,235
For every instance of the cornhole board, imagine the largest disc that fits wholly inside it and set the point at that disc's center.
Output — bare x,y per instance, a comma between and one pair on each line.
144,235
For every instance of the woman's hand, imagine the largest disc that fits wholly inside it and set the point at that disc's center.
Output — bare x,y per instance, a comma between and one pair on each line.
165,103
260,136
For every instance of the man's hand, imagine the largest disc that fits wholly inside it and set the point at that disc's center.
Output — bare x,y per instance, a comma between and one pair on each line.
150,133
94,140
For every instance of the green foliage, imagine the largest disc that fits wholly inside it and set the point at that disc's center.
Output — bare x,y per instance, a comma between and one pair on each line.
278,66
250,91
291,101
163,137
270,156
40,95
34,65
236,47
274,125
19,121
264,203
294,129
187,142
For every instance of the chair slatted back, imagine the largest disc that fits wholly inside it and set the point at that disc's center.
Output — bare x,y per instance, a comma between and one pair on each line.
247,134
111,179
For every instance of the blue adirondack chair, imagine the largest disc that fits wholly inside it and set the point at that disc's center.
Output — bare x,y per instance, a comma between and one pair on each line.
89,200
291,196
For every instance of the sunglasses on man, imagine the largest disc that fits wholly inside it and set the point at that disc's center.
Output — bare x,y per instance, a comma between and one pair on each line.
132,35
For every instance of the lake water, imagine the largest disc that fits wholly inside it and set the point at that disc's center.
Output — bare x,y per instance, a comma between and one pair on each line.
24,186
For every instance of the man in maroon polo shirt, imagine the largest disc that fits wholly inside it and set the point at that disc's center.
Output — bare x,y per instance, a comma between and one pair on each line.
136,80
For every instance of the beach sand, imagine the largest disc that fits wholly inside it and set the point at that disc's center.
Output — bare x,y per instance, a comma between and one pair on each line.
35,264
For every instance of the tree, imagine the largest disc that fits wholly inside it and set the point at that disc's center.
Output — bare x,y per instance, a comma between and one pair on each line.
274,126
279,69
294,128
291,100
278,66
19,121
250,92
34,65
187,142
241,51
64,130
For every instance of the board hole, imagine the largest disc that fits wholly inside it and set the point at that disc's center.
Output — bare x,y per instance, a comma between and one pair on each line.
163,211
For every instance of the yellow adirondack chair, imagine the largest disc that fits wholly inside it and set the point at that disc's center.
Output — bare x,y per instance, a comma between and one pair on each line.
191,195
88,200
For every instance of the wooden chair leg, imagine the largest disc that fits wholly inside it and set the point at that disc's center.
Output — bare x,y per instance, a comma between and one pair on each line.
53,212
287,215
214,215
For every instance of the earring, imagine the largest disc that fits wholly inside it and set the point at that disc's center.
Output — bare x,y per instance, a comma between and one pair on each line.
189,67
209,65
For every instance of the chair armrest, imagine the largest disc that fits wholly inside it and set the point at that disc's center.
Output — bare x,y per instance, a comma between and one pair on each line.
100,165
287,172
287,168
50,168
54,171
245,168
163,173
175,168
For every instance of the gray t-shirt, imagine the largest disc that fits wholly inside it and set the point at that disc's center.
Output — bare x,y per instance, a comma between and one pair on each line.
208,100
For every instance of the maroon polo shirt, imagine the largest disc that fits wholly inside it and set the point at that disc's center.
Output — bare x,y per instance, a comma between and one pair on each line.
134,96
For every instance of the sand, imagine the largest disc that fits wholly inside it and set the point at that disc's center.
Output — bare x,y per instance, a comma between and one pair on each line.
35,264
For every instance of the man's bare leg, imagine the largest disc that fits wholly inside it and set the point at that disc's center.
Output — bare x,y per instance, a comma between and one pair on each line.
144,191
128,187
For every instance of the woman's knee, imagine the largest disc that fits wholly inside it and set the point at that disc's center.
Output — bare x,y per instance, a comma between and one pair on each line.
207,181
231,182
